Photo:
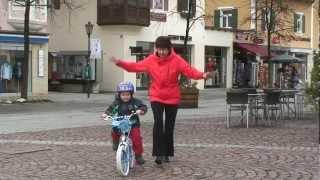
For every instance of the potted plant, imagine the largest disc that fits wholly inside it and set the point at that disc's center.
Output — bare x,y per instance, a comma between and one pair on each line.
189,93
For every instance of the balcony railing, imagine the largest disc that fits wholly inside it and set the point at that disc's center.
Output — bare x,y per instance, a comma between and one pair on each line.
38,15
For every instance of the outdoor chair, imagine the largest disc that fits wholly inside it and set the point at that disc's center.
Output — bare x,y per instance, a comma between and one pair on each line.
237,100
272,103
290,103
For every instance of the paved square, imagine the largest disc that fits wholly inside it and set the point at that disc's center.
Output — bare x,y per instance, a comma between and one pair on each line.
204,149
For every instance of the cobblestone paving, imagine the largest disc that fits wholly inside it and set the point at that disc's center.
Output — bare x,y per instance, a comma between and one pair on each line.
205,149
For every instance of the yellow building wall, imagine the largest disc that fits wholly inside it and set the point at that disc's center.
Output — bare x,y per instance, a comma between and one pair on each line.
243,7
244,22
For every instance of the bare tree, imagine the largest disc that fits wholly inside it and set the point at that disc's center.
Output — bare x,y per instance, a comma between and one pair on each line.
275,20
187,10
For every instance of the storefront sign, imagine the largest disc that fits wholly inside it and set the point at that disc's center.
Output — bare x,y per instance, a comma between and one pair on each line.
242,37
258,40
95,48
41,63
275,40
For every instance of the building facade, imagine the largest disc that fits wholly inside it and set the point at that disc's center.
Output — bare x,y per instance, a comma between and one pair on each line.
127,30
247,20
11,49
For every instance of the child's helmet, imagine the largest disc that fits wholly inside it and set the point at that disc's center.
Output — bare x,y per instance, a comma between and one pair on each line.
125,87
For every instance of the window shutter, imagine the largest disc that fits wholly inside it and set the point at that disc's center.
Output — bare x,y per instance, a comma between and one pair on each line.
166,5
193,8
180,6
99,12
217,18
273,20
234,18
263,21
295,24
303,24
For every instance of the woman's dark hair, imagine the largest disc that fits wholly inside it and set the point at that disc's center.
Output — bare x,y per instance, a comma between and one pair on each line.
163,42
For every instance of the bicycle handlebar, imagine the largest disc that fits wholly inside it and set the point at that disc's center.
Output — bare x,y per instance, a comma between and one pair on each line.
108,117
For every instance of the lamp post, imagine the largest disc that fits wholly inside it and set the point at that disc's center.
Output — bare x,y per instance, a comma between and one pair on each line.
89,28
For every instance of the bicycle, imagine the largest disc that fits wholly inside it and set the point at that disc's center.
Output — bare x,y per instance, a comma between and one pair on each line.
125,156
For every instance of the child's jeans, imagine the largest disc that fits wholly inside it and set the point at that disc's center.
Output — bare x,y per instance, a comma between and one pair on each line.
136,138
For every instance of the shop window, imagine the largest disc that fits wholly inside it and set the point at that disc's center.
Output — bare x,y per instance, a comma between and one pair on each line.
214,64
183,8
144,49
226,18
299,23
11,62
71,67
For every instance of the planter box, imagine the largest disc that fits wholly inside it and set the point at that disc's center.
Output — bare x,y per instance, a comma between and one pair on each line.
189,98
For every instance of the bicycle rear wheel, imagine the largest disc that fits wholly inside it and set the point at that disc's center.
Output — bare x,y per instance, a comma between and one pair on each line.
123,159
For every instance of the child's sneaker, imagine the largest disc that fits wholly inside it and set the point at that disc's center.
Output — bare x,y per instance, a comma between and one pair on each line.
140,160
115,145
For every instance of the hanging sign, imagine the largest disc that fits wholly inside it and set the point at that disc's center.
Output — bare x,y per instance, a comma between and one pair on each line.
41,63
95,48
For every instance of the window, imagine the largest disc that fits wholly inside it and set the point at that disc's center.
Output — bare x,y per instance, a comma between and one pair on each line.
161,5
183,7
158,4
226,18
299,23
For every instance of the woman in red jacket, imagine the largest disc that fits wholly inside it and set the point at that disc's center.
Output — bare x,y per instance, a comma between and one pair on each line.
164,67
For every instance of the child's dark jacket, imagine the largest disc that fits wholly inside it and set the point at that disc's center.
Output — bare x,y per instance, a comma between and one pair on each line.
120,108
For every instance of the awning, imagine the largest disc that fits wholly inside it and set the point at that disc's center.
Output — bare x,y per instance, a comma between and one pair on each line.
19,39
253,48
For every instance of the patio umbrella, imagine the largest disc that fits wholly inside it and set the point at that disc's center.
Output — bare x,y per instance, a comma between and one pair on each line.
285,58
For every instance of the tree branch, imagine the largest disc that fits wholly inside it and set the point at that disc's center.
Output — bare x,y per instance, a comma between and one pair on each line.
195,19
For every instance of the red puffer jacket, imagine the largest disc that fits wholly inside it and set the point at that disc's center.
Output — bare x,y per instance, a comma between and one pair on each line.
164,75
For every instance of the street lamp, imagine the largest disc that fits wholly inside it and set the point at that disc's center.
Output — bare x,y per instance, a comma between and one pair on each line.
89,28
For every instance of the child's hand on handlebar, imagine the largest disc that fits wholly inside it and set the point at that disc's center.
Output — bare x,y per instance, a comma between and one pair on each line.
103,115
140,112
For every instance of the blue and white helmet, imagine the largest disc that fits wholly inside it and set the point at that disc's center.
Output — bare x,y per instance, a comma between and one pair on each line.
125,87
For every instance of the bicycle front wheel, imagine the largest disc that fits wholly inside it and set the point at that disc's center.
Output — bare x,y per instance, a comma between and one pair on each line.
123,159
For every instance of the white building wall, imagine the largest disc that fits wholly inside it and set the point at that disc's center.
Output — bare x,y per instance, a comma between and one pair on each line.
116,40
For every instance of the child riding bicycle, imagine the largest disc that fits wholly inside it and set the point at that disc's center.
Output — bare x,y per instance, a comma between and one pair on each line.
125,104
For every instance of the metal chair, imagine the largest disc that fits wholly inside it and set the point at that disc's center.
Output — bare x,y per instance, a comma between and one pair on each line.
272,103
237,100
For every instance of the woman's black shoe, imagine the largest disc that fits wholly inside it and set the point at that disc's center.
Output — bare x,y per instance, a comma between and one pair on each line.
166,159
158,160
